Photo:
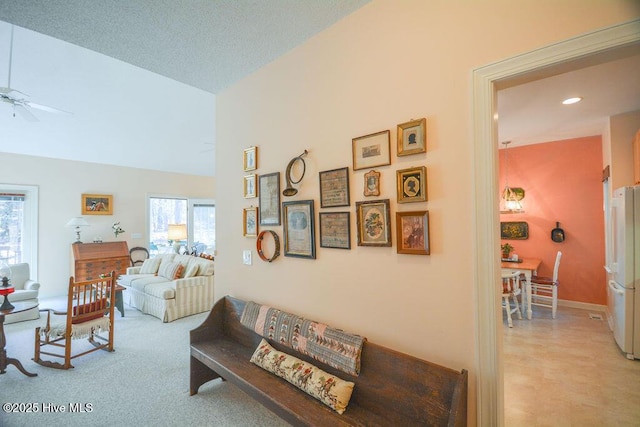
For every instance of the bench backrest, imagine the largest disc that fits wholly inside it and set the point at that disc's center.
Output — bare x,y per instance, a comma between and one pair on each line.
394,385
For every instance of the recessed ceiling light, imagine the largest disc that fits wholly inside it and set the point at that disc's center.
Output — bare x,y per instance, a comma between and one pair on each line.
570,101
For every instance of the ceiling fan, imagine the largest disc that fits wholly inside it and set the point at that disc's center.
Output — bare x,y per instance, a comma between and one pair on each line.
19,100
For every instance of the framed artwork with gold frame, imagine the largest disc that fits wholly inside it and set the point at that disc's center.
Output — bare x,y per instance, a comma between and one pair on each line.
250,159
412,231
373,223
250,222
412,137
97,204
372,183
249,186
412,185
371,150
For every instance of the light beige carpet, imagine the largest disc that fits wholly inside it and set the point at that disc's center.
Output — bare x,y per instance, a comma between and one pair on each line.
144,382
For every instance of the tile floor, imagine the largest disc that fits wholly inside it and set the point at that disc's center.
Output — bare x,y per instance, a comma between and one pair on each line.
567,371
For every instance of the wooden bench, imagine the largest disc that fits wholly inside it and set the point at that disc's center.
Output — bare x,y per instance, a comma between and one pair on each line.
393,389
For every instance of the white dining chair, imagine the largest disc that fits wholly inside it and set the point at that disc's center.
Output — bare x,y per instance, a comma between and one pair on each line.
544,290
511,289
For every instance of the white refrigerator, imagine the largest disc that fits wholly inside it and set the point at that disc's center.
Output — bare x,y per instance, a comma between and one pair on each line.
623,293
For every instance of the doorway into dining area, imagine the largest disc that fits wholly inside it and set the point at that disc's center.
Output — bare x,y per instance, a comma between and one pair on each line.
494,343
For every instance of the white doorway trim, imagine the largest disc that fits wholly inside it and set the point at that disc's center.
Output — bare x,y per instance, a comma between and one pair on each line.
490,395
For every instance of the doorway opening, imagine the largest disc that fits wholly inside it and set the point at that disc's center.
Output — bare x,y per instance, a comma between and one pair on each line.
596,47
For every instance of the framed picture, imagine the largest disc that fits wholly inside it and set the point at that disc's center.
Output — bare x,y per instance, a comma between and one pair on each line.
250,159
269,198
412,231
371,150
412,185
97,204
249,186
374,223
516,230
250,222
335,230
412,137
299,230
334,188
372,183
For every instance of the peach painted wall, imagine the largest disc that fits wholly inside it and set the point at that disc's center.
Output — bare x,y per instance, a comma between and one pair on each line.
563,182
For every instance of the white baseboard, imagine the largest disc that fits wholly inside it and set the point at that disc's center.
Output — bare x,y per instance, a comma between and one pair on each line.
582,305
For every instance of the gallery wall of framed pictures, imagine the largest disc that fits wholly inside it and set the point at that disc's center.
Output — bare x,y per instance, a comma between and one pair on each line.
371,163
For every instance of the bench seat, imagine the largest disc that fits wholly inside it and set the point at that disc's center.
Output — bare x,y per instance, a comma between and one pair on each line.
393,388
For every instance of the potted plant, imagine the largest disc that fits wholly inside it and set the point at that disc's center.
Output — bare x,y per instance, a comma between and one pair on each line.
506,250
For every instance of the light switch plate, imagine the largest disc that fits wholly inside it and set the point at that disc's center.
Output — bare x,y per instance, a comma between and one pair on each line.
246,257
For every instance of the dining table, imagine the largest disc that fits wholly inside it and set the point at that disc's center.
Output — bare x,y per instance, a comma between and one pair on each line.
528,267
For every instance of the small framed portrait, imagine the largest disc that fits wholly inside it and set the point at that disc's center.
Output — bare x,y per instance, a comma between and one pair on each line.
373,223
250,159
412,230
412,137
412,185
97,204
334,188
335,230
371,150
372,183
299,229
250,187
250,222
269,198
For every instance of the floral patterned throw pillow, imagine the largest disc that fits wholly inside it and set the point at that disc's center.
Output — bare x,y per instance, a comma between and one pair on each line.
329,389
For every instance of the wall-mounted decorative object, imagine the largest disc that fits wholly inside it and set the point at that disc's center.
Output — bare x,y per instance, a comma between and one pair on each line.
97,204
290,190
260,245
250,222
412,137
514,230
371,150
269,199
335,230
413,232
557,234
117,229
334,188
373,223
250,186
412,185
250,159
299,229
372,183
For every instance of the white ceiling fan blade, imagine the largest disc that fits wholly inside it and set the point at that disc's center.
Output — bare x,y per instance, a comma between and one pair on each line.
45,108
26,114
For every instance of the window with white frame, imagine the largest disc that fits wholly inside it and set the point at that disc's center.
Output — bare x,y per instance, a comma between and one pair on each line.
198,216
19,225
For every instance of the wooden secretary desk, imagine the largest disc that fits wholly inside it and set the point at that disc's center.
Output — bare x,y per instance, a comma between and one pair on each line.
90,260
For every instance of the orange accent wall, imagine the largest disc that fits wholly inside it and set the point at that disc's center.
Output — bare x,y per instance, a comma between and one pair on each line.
562,182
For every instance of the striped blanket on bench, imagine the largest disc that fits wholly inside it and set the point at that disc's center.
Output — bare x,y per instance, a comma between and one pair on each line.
332,346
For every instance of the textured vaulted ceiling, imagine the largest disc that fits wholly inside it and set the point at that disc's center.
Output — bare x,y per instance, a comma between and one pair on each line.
208,44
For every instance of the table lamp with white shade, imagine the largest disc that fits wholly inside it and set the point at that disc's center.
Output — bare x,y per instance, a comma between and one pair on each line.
177,233
77,222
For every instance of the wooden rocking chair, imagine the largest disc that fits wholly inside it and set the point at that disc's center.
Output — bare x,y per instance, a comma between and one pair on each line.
90,311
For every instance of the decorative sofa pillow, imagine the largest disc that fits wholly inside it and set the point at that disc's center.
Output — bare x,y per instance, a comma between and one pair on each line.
329,389
191,270
170,270
150,266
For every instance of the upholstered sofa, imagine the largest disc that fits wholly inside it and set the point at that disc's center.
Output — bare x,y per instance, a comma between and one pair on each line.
26,290
170,286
